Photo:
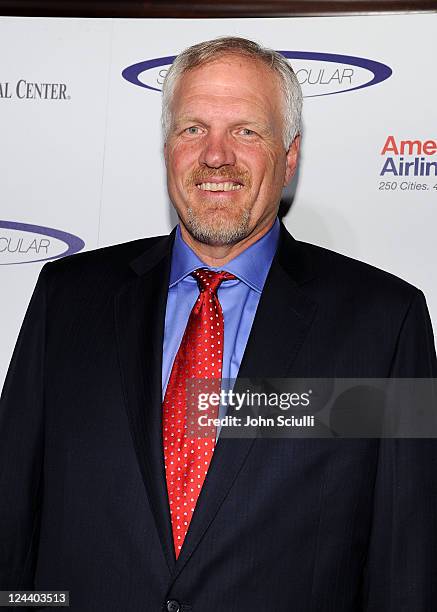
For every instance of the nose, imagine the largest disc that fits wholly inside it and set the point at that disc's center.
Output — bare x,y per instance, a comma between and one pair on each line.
217,151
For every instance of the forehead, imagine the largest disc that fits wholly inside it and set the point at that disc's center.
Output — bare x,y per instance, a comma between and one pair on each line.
228,83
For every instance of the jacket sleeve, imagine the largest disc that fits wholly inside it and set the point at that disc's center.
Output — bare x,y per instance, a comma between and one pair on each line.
401,568
415,355
21,447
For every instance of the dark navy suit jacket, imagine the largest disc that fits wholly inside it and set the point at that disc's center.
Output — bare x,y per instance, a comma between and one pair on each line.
302,525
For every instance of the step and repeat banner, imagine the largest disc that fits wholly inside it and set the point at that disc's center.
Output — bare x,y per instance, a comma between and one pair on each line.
81,148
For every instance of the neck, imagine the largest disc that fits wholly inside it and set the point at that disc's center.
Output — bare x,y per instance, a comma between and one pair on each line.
217,256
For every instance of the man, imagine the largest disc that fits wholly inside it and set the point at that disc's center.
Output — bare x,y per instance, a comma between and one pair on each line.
103,493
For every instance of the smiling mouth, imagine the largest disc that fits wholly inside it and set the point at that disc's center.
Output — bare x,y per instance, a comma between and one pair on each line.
226,186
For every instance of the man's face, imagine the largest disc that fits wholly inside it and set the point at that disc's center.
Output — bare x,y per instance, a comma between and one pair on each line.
226,162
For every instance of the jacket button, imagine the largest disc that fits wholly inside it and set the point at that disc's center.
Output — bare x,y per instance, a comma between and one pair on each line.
173,606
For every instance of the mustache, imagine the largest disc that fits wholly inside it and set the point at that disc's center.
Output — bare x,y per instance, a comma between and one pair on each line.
233,174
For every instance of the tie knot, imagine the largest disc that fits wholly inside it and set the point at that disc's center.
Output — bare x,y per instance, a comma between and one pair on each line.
209,280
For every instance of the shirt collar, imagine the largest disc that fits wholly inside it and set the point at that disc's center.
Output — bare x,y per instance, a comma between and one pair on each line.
251,266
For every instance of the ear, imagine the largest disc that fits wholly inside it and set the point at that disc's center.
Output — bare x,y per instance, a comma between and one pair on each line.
165,153
291,160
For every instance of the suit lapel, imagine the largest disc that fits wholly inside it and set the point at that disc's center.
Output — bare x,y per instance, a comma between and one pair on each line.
284,314
139,320
282,322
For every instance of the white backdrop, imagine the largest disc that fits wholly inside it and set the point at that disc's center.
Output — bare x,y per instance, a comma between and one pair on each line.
81,150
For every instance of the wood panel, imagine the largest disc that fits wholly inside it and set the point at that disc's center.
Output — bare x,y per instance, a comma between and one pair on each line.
207,8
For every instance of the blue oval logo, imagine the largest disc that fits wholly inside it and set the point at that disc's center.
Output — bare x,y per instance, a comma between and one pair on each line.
26,243
320,74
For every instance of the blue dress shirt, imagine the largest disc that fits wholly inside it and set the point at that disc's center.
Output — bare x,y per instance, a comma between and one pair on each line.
238,298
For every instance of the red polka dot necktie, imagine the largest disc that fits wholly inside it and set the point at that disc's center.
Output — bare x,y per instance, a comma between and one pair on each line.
200,356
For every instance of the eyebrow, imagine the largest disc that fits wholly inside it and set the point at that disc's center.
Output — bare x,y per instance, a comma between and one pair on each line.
264,128
186,119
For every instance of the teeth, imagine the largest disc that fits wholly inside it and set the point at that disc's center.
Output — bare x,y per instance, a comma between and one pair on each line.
219,186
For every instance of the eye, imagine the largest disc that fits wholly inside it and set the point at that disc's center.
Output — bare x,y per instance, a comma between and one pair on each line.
247,132
193,130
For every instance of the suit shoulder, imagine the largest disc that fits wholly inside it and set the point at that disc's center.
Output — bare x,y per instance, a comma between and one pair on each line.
114,257
99,271
351,276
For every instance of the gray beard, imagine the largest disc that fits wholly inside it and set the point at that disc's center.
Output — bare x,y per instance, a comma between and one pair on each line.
221,235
